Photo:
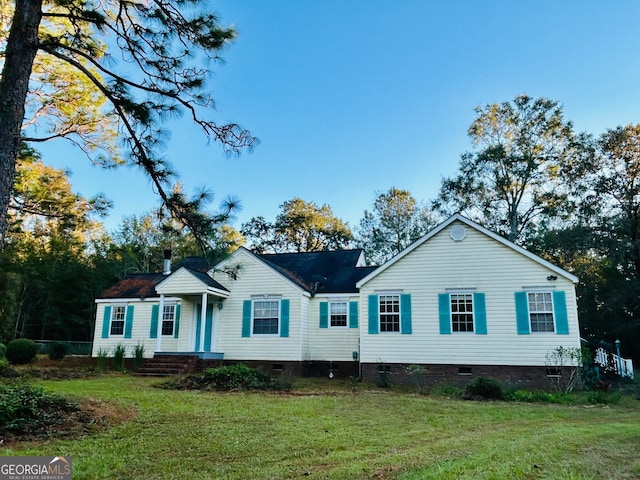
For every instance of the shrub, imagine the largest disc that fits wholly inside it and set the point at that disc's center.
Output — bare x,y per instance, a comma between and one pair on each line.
138,355
27,409
3,350
118,357
57,351
484,388
101,363
228,377
21,351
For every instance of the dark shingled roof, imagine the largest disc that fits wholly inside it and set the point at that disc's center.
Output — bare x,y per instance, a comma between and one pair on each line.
136,285
315,272
320,272
143,285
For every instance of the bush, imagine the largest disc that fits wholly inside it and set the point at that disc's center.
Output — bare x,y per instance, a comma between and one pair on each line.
21,351
57,351
484,389
102,356
118,357
138,356
3,351
26,409
228,377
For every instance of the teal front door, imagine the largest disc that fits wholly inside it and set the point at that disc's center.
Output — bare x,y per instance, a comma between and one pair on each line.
208,327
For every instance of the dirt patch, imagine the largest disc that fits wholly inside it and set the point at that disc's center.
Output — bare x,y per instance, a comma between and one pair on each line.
88,417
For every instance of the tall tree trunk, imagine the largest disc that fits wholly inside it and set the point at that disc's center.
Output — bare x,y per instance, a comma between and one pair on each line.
22,46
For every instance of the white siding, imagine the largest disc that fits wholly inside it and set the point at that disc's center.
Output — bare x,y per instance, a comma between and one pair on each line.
139,331
181,281
480,263
332,343
256,278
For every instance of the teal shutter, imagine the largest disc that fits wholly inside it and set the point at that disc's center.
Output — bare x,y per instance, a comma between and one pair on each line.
405,314
560,312
522,313
373,314
353,314
324,314
444,313
153,331
284,318
128,323
480,313
246,318
106,322
176,323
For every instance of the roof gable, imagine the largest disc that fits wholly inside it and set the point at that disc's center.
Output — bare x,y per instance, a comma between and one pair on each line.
186,280
459,218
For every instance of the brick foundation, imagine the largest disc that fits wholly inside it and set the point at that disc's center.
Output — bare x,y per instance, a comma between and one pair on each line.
531,377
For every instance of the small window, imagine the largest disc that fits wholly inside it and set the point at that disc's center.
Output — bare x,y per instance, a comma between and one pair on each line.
541,312
389,306
266,317
168,319
554,372
461,312
117,319
338,314
465,371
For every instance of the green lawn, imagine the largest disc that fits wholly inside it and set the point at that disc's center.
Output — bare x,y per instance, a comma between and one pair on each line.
336,434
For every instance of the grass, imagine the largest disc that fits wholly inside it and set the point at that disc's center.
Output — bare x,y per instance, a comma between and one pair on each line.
327,432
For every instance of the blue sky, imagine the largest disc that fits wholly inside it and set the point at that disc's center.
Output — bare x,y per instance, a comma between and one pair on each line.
351,98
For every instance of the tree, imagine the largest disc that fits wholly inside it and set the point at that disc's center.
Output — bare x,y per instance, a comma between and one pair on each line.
528,160
142,240
396,221
47,280
300,227
163,44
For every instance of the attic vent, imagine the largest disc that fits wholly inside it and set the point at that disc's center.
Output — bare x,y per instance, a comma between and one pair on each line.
458,233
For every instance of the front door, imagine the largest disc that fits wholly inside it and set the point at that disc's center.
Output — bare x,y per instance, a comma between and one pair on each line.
208,328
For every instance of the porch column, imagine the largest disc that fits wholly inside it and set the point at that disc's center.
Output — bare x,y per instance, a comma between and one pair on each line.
203,320
160,316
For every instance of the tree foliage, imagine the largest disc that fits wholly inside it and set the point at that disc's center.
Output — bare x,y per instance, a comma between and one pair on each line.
522,174
300,227
396,221
98,68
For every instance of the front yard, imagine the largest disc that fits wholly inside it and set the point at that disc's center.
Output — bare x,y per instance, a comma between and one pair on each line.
327,432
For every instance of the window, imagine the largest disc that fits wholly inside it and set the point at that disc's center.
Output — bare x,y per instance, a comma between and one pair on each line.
389,308
117,319
461,312
541,311
266,315
168,319
338,314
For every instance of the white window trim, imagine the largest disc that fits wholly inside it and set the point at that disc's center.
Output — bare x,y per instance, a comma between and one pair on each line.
390,293
473,310
553,309
338,300
266,298
173,319
124,319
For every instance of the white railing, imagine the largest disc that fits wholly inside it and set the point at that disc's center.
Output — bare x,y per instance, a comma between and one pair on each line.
613,363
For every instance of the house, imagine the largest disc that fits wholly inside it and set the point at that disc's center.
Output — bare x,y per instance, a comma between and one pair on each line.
462,302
